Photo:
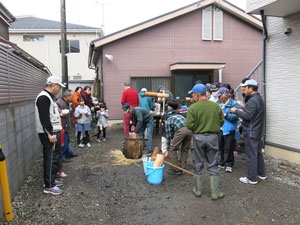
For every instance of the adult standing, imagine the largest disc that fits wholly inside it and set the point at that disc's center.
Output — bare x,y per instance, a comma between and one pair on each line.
226,135
163,89
86,94
76,95
145,101
214,89
48,126
131,97
63,104
142,119
253,124
205,118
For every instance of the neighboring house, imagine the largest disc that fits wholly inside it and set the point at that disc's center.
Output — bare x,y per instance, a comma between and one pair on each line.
41,38
22,77
282,77
210,40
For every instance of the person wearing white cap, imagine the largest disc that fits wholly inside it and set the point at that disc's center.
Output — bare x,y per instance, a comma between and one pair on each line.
253,124
48,126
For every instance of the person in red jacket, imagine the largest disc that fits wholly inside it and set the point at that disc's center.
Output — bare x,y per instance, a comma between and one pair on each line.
131,97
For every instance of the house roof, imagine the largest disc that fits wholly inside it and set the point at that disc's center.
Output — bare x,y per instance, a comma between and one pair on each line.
35,23
6,15
179,12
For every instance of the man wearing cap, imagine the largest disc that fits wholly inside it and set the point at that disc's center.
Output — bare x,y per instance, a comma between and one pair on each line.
205,118
145,101
227,133
48,126
214,89
142,119
131,97
253,124
163,89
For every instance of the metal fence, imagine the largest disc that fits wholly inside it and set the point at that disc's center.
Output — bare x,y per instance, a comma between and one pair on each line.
256,74
20,81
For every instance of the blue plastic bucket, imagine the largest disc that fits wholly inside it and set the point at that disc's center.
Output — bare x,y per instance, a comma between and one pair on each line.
147,162
155,175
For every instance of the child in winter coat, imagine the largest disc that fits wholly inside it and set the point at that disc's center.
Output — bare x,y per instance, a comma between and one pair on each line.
83,116
102,123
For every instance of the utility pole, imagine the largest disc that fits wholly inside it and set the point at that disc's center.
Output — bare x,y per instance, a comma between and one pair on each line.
64,60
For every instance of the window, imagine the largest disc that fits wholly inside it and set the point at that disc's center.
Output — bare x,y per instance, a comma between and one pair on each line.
72,46
212,18
33,38
150,83
207,23
218,24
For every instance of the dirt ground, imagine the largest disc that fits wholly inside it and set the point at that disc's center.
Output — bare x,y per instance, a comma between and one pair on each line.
103,188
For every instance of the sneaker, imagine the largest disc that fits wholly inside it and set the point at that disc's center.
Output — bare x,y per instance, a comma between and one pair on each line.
58,183
88,145
61,174
228,169
104,139
53,191
81,145
245,180
221,167
98,140
262,177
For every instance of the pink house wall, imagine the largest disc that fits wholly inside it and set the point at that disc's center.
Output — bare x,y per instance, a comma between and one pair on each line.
150,52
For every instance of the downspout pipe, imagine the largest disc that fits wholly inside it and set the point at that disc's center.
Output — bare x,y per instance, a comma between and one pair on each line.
101,74
265,38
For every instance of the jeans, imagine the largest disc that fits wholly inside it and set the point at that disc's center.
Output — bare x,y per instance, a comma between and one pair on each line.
66,150
149,126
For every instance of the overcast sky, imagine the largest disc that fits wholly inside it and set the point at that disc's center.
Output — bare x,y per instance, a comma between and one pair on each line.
118,14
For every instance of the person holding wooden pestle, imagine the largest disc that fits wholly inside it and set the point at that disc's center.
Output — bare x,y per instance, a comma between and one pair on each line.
142,119
205,119
178,136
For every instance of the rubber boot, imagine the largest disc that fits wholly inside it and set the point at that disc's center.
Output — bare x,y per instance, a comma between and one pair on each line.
214,186
197,185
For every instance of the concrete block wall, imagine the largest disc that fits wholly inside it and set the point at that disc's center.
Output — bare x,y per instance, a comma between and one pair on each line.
20,143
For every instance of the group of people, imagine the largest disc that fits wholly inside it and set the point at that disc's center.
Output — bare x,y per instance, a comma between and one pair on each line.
53,125
208,127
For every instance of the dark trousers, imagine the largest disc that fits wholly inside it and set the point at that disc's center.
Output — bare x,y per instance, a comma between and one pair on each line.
51,158
99,132
87,136
254,158
226,142
181,141
205,148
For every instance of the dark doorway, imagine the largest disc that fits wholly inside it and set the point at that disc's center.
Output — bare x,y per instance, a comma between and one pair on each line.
184,80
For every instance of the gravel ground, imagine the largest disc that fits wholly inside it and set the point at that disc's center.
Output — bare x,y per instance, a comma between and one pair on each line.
103,190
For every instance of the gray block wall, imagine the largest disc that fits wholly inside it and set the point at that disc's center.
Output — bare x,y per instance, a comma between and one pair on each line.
20,143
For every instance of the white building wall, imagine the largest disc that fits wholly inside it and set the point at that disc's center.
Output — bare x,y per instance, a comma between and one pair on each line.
47,52
255,4
283,81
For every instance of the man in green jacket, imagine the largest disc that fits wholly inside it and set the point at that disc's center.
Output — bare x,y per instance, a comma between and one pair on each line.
205,118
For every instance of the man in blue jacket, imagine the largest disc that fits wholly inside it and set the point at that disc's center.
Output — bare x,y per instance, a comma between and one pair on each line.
145,101
226,135
253,124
